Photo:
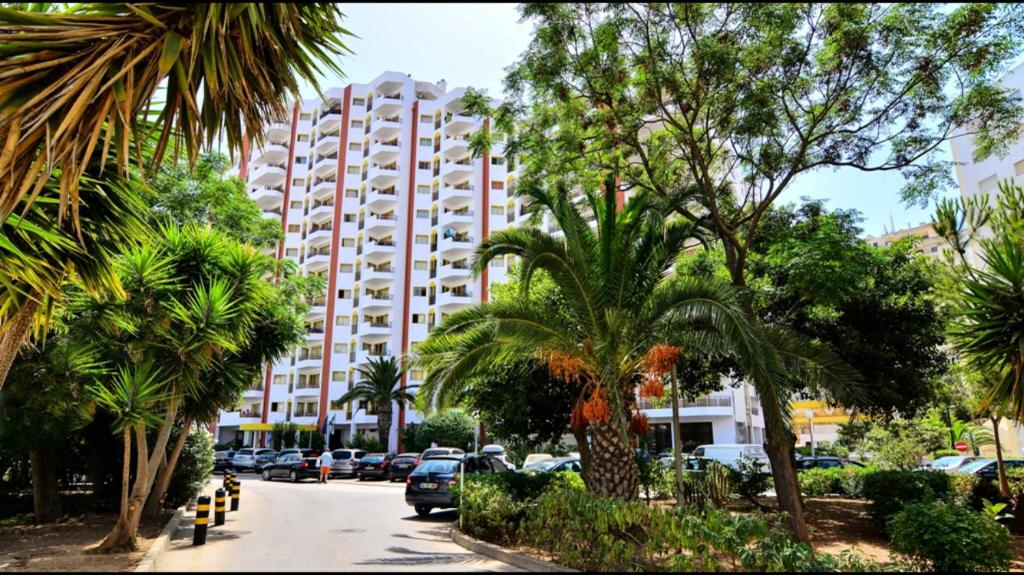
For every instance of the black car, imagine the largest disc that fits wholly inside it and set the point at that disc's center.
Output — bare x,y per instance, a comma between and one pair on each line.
426,488
293,467
402,465
374,465
824,462
988,468
222,461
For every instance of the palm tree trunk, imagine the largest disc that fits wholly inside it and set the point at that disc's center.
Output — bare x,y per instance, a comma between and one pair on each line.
163,480
677,455
1004,484
14,335
586,459
384,426
45,489
117,538
787,489
613,471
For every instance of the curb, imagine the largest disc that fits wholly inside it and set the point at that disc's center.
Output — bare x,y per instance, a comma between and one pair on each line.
148,562
514,558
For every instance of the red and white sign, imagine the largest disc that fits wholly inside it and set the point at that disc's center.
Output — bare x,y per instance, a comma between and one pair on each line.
961,446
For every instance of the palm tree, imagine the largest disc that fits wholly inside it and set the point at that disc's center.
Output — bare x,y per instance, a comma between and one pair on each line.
380,386
81,81
621,301
134,398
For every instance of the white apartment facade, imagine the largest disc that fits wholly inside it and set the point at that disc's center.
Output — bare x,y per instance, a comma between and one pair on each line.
377,191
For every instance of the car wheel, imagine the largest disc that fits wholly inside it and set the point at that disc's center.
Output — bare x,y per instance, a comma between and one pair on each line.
422,510
360,477
293,477
266,475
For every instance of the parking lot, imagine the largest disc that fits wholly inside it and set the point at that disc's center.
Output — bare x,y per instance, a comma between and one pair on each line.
338,526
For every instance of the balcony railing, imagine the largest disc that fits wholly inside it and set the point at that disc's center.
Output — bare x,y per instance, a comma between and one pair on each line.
706,401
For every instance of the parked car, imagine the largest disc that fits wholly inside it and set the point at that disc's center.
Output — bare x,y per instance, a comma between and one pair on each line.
426,488
535,457
291,466
440,451
402,465
264,458
374,465
554,465
951,462
987,468
498,452
245,459
824,462
689,463
345,461
222,460
730,454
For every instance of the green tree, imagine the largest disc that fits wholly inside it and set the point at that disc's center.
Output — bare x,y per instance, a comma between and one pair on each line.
720,107
619,305
446,428
98,67
380,387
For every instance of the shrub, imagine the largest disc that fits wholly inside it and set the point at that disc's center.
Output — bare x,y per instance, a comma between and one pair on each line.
939,536
366,442
194,468
964,489
944,452
489,511
450,428
750,479
888,491
819,482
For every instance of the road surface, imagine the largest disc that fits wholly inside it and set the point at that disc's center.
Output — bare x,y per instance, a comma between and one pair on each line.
343,525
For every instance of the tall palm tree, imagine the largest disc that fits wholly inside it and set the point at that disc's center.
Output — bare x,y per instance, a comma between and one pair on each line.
80,80
621,301
380,386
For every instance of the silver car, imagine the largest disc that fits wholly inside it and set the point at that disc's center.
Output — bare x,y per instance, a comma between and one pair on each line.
345,461
245,459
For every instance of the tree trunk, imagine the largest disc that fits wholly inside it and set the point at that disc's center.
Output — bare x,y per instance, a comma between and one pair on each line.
384,427
677,455
45,489
14,335
118,538
613,471
586,461
787,488
1004,484
155,503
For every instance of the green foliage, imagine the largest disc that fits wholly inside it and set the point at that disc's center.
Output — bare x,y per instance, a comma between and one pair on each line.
282,435
995,510
310,440
367,443
845,481
195,467
713,487
448,428
938,536
903,444
888,491
380,386
750,480
964,489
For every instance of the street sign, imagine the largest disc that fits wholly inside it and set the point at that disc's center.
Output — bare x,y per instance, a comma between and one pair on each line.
961,446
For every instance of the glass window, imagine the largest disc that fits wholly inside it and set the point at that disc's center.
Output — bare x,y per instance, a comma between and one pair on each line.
420,265
348,242
355,147
422,239
351,193
341,348
422,189
292,252
305,116
423,165
296,205
443,466
422,214
357,123
345,268
297,182
293,228
419,291
300,159
352,170
497,185
426,141
337,376
302,138
497,211
426,118
358,101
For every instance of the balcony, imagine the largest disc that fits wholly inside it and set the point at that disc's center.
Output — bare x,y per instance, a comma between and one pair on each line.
375,328
382,199
459,219
374,304
310,360
374,250
382,176
271,213
307,388
384,151
329,120
388,105
315,333
273,153
279,131
326,166
453,196
458,123
365,355
321,211
456,247
379,224
456,170
327,143
453,299
254,392
323,187
455,145
456,271
270,175
386,128
318,234
709,405
318,259
377,275
268,196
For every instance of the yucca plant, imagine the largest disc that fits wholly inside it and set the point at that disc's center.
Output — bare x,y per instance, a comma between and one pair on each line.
77,82
380,386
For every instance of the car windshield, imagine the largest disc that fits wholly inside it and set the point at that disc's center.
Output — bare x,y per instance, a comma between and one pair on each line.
244,452
975,466
437,466
373,459
542,465
945,462
342,454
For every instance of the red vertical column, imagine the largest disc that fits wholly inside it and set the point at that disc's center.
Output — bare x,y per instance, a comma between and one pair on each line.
486,214
406,296
332,272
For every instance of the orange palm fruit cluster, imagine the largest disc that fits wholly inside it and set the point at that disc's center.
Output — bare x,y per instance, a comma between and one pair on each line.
661,358
638,424
565,367
596,408
652,387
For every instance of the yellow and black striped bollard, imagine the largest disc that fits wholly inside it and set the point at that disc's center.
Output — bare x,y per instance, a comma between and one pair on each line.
236,492
218,507
202,519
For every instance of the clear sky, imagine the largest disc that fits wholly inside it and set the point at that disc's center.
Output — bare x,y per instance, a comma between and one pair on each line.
471,44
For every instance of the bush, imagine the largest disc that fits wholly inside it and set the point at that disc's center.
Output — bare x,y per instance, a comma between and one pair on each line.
750,479
944,452
310,440
939,536
451,428
194,468
493,506
819,482
964,489
888,491
366,442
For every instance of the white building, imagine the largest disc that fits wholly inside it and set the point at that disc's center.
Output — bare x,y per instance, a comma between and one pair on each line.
377,191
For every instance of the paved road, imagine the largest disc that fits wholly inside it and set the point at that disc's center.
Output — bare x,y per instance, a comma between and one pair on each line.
344,525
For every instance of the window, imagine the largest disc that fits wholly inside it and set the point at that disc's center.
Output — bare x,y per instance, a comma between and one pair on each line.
358,101
357,123
935,249
345,268
300,159
497,185
293,228
292,252
497,263
302,138
422,214
497,211
343,294
416,374
297,182
351,193
305,117
419,318
352,170
296,205
426,142
337,376
423,165
280,379
422,189
422,239
1018,168
355,147
419,265
426,118
497,161
275,406
349,218
419,291
348,242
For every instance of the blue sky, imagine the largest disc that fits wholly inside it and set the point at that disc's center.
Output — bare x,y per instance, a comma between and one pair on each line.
471,44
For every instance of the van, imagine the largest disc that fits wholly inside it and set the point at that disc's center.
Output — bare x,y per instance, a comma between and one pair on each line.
731,453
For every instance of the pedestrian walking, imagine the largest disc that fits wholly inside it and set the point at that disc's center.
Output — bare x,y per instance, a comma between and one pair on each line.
326,461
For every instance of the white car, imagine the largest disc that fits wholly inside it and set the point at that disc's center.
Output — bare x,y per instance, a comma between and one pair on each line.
730,454
245,459
952,462
535,457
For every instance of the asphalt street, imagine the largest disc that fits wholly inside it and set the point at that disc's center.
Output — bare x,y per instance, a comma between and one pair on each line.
343,525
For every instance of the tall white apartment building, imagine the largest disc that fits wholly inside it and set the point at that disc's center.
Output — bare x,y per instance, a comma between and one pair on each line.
377,192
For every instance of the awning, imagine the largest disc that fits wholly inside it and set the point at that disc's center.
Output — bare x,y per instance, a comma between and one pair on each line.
269,426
